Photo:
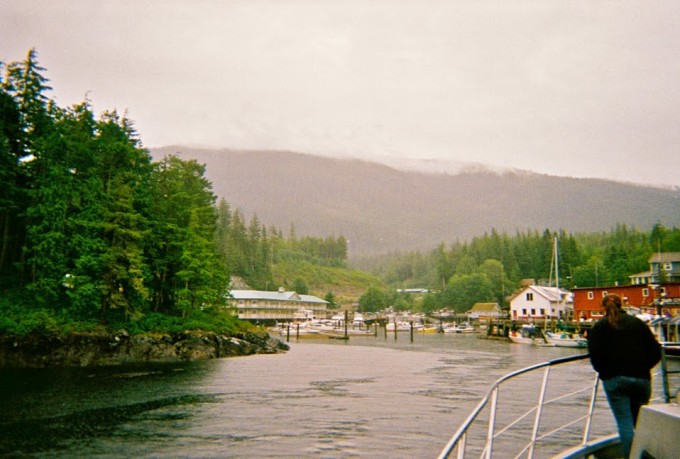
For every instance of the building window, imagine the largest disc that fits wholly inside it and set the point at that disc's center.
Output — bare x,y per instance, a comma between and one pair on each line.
667,266
591,295
542,311
530,296
533,312
604,293
645,292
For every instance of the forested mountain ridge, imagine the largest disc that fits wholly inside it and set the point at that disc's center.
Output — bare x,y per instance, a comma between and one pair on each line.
380,209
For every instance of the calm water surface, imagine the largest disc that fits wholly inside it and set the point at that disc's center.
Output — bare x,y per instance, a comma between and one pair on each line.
368,397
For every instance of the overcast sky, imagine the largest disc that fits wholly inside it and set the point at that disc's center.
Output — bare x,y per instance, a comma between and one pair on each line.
571,88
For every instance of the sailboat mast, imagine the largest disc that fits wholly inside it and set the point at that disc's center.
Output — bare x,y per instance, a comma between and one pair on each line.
554,266
557,265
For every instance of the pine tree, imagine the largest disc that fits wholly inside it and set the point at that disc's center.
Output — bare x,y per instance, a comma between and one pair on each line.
123,170
12,194
188,271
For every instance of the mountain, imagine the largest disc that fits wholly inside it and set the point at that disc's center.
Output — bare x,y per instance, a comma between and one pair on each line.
380,209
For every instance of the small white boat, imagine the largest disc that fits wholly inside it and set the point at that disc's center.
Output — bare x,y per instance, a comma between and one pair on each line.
400,326
566,340
464,328
297,329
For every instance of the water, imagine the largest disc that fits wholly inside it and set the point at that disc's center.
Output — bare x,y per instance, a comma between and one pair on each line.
368,397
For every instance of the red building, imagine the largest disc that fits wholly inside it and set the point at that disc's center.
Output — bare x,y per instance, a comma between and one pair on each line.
651,299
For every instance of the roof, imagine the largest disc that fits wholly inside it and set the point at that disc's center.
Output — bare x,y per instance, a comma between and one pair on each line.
273,296
664,257
552,294
484,307
312,299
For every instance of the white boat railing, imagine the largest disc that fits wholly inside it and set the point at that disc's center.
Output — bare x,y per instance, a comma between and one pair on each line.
668,394
583,412
459,440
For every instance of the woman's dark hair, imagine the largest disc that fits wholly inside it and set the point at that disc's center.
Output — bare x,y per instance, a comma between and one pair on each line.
612,309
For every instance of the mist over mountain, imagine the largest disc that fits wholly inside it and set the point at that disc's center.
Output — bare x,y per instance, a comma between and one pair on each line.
380,208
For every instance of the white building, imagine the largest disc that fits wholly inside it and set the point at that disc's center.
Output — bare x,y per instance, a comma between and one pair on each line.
534,302
274,306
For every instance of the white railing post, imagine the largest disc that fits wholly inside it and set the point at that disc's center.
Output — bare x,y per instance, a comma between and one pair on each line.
539,409
461,447
591,410
492,422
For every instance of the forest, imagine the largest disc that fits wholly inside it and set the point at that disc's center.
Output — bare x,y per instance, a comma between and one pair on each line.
490,268
93,232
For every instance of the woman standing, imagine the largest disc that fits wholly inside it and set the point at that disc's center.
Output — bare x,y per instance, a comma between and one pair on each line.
623,351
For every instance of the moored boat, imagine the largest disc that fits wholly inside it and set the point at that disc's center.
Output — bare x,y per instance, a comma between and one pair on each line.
400,326
529,334
566,340
464,328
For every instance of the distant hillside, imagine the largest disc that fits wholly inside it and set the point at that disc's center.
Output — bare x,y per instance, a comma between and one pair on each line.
381,209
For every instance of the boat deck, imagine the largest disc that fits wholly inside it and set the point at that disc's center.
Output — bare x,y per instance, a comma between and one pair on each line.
656,434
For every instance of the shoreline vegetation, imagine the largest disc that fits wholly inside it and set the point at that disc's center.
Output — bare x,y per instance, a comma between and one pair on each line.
107,348
107,256
43,338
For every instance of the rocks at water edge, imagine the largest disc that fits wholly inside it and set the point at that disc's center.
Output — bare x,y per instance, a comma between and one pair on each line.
97,349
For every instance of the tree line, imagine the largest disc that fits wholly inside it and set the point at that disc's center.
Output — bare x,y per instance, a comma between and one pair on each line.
490,268
91,228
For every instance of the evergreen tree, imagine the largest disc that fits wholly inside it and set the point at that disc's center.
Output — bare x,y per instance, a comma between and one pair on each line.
330,298
12,194
27,85
202,278
41,168
188,273
300,286
124,173
672,241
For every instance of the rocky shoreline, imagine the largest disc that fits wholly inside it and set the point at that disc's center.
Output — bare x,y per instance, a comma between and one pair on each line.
99,349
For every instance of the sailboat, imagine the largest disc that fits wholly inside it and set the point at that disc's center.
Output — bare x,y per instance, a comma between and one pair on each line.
562,339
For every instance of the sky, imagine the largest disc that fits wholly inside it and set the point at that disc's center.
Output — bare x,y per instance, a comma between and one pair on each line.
568,88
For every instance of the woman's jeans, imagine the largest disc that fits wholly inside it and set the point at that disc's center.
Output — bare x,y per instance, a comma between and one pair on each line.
626,395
